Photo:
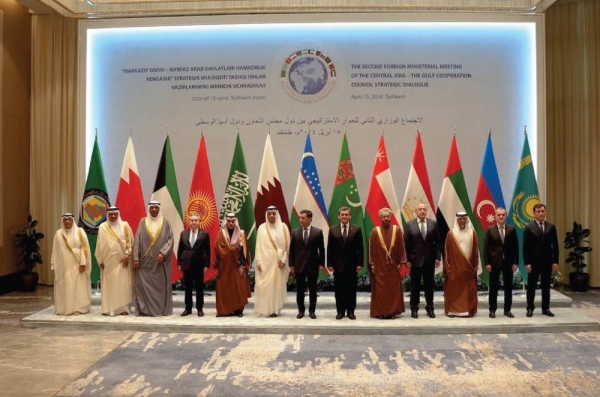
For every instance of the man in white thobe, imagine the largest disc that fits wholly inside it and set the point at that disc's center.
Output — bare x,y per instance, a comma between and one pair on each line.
72,265
272,271
113,252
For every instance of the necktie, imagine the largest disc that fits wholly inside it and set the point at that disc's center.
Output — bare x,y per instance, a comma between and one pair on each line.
305,236
193,238
502,233
344,232
541,225
422,227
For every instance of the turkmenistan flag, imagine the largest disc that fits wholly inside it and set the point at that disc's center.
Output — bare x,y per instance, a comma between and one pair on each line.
525,197
167,193
454,197
345,194
238,195
94,204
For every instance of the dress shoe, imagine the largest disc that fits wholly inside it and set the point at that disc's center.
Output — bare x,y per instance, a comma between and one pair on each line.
351,316
492,314
430,313
273,315
414,314
508,314
300,315
200,313
313,316
339,316
547,313
186,312
529,313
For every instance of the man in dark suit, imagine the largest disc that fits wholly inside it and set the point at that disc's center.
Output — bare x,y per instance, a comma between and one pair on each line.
345,259
423,252
540,254
307,258
193,255
501,255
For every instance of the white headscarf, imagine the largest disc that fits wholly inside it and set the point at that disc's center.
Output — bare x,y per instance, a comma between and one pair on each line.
464,237
69,234
153,224
117,226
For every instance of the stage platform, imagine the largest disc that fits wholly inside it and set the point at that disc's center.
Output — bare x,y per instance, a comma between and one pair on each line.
567,319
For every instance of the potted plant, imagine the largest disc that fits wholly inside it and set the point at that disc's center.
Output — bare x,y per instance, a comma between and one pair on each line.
27,240
576,240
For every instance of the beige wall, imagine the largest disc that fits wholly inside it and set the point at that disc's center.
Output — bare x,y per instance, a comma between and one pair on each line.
14,136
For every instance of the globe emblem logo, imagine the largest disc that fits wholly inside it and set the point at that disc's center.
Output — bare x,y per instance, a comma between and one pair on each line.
308,75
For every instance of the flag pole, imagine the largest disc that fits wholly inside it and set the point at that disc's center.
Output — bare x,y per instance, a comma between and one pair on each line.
130,132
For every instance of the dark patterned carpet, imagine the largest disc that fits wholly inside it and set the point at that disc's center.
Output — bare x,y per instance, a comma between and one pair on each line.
151,364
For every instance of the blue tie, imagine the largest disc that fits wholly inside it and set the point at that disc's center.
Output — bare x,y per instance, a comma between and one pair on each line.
306,236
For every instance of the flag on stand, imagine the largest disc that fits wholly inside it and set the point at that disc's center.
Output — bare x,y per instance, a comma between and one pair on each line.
454,197
130,198
201,200
381,192
345,194
94,204
269,191
525,197
488,197
167,193
309,195
418,188
238,196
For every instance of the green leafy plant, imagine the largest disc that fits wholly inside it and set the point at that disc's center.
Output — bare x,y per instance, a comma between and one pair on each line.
27,240
576,241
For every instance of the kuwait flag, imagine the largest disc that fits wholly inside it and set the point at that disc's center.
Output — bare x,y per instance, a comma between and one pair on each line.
269,191
488,197
381,192
130,198
201,200
238,196
167,193
454,196
345,194
525,197
308,193
418,188
94,204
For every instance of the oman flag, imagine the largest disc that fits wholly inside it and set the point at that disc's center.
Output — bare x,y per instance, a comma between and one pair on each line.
130,198
454,197
201,200
418,188
269,191
381,192
167,193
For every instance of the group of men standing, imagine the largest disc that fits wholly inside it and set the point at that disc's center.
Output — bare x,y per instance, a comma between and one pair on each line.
138,269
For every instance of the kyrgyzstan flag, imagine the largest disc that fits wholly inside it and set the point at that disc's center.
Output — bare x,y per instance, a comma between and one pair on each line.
130,198
201,200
